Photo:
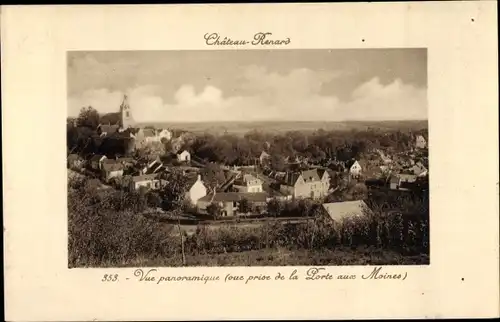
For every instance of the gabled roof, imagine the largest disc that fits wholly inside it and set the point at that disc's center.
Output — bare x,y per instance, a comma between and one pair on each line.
192,178
311,175
346,209
350,163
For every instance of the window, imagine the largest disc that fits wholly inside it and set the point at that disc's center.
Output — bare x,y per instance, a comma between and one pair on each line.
127,113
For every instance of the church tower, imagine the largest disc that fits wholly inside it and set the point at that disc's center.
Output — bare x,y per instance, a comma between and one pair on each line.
126,120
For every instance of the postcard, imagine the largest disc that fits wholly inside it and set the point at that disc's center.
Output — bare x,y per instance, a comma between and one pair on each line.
265,161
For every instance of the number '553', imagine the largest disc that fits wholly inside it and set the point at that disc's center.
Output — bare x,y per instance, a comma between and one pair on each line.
110,278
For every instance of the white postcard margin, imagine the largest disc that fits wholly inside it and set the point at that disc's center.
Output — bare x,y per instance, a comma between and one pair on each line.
462,280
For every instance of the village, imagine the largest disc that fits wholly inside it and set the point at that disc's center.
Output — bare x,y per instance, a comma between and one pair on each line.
217,191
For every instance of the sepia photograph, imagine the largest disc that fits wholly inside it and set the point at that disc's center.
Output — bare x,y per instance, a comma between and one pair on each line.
247,157
266,150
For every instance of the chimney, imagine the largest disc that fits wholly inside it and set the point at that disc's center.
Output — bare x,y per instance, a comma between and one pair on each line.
199,177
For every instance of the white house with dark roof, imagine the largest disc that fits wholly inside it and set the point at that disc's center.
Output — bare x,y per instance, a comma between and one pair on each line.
148,181
354,168
184,156
247,183
229,201
400,181
306,184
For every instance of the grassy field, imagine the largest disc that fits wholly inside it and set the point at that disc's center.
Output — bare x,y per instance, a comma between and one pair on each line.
285,257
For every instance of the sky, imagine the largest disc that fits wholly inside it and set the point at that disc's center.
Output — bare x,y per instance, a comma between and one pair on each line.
252,85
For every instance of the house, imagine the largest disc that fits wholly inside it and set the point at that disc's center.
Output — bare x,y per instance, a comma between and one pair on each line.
354,168
147,136
247,183
196,189
96,161
339,211
306,184
74,161
264,158
229,201
148,181
400,181
184,156
111,169
420,142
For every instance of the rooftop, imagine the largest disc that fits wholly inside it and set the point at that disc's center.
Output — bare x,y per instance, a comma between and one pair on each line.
235,196
339,211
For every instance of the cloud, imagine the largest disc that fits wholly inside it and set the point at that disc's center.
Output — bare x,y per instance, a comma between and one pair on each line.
395,101
268,96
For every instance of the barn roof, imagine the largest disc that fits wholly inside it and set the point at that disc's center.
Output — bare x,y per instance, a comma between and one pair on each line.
339,211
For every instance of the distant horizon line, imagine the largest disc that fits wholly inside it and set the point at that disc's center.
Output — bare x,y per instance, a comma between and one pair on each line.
275,121
288,121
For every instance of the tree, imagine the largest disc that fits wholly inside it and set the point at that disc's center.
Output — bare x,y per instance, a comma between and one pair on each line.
174,198
214,210
274,207
88,117
153,199
245,206
277,162
305,206
213,175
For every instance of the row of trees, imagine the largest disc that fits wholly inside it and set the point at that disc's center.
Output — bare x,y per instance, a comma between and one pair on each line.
230,149
318,146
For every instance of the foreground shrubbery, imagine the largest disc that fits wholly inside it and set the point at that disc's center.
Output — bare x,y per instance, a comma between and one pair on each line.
406,235
107,229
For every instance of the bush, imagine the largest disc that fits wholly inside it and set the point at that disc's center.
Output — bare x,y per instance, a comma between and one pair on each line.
105,230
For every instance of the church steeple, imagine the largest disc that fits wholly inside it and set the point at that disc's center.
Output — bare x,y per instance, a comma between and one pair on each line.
126,119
